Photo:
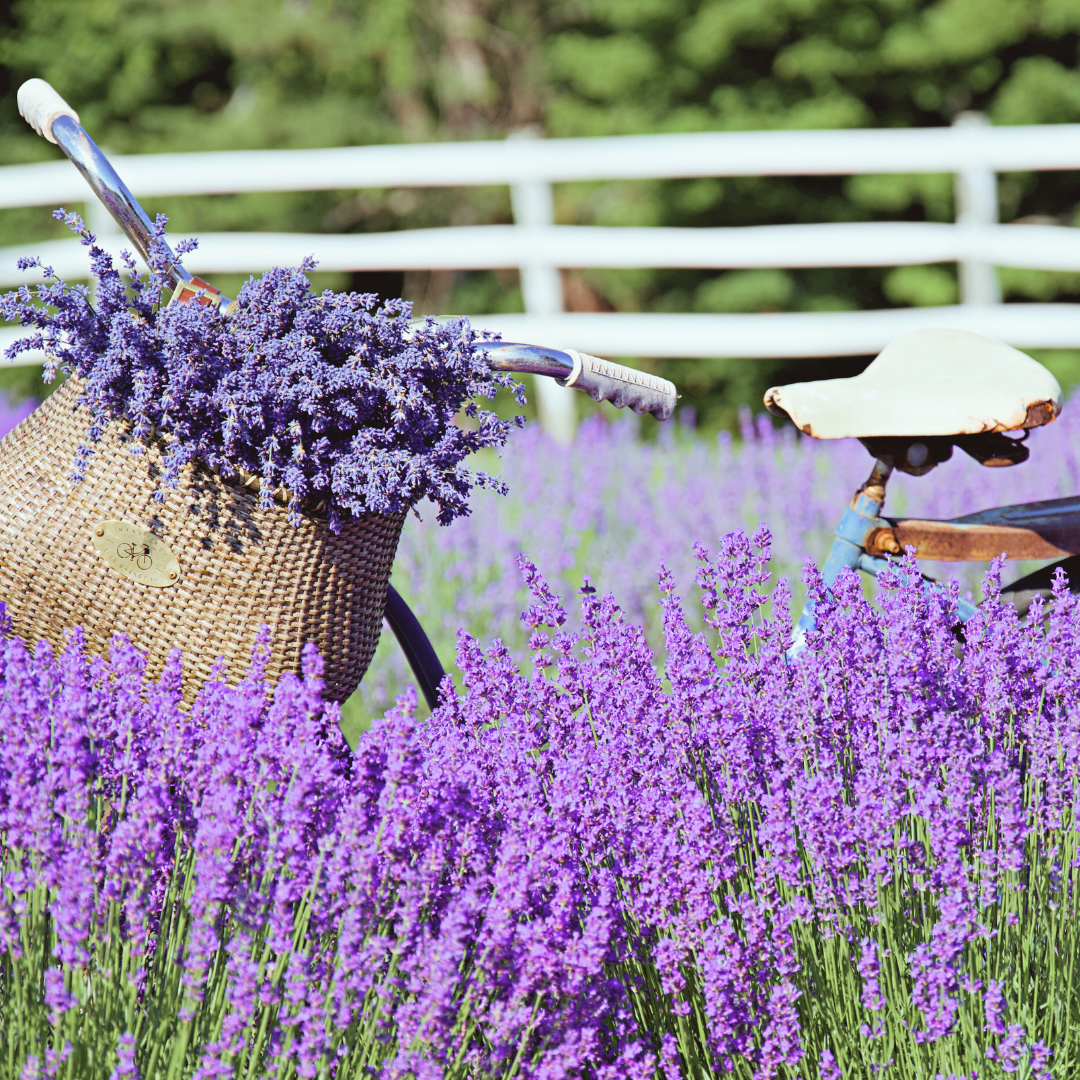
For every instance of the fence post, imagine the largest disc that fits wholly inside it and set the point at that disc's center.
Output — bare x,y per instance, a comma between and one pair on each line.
976,207
541,289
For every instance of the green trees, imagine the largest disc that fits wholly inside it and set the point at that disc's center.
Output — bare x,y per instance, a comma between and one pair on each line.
149,75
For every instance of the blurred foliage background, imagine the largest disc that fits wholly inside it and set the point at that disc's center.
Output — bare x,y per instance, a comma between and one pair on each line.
151,75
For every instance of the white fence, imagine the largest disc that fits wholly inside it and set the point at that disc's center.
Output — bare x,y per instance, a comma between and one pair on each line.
973,151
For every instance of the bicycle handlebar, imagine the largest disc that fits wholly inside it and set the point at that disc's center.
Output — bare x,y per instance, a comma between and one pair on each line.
602,380
53,119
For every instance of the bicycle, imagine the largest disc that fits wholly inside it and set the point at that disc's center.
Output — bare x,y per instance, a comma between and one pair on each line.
926,394
53,119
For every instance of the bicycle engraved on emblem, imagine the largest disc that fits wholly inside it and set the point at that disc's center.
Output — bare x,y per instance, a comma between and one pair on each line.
137,553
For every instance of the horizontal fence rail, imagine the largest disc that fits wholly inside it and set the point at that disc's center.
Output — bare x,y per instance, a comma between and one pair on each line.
517,161
788,334
490,247
775,335
971,149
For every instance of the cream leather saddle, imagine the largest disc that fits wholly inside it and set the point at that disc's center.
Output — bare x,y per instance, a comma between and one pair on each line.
927,383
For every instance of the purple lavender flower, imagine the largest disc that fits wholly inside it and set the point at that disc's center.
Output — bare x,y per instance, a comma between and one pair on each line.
827,1067
125,1065
869,969
329,397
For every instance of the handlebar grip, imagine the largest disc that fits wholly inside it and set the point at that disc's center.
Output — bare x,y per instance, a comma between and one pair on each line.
604,381
40,105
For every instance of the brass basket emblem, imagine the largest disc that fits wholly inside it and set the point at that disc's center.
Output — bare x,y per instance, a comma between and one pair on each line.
136,553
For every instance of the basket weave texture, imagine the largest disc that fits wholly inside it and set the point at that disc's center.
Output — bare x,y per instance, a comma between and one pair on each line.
240,567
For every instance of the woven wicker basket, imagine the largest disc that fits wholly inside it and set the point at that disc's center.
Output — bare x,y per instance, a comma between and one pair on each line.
235,566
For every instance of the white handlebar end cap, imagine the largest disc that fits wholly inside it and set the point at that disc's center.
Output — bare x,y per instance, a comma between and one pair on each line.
40,106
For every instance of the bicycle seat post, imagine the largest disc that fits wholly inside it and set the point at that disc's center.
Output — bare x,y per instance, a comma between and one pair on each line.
848,549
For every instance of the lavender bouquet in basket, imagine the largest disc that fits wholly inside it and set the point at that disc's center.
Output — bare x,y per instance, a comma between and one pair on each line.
340,408
329,396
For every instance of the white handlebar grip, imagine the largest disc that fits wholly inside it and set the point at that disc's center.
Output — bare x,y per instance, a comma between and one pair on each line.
604,381
40,105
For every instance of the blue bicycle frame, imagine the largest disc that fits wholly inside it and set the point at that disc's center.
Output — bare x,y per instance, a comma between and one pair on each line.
864,539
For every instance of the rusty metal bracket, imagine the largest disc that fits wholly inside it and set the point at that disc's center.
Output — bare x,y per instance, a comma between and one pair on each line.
1039,530
946,541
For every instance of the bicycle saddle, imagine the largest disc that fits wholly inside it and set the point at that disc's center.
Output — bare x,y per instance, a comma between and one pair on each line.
927,383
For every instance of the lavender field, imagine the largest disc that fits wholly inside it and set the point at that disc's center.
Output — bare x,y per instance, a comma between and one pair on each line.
614,506
635,842
860,865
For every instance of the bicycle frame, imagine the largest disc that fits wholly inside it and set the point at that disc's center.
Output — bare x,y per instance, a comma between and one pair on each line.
864,539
